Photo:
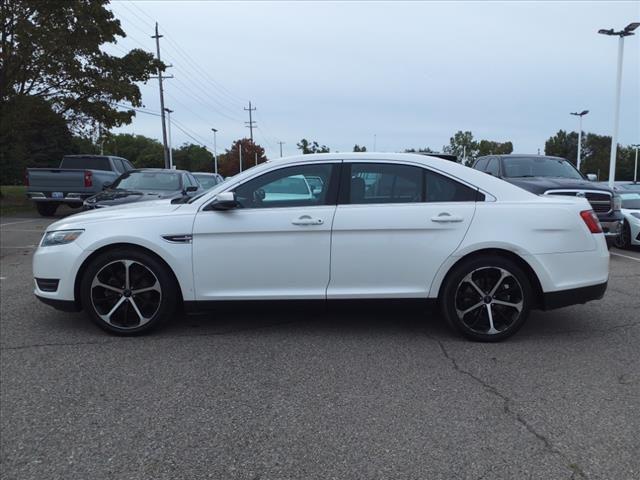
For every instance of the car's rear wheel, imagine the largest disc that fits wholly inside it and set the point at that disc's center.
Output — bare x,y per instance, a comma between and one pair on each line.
128,292
47,209
487,298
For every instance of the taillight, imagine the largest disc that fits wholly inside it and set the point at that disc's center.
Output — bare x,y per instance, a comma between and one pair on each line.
26,178
88,178
591,220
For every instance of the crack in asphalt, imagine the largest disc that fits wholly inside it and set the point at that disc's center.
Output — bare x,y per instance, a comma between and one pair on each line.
165,337
506,406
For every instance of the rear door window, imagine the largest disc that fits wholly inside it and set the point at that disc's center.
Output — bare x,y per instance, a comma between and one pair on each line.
481,164
385,183
444,189
493,167
86,163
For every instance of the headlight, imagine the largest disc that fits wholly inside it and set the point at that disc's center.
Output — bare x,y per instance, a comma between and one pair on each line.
617,202
60,237
635,214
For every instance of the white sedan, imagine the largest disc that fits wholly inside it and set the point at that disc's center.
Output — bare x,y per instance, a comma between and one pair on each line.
375,226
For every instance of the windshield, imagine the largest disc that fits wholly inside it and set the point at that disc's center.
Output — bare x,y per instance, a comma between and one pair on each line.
207,181
630,200
144,180
522,167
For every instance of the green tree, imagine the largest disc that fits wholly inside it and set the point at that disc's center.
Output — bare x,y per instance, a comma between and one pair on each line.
194,158
564,144
51,50
229,162
358,148
31,135
489,147
141,151
311,147
419,150
460,144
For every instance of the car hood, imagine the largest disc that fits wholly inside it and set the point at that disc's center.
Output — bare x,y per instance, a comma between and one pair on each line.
116,197
154,208
540,185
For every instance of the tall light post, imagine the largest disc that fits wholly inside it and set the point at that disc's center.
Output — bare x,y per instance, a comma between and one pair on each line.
635,167
581,114
215,151
169,112
627,31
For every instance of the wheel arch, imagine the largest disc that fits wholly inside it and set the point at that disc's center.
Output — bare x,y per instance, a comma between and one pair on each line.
514,257
117,246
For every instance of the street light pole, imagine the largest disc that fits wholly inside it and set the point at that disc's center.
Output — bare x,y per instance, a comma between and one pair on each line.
581,114
169,112
628,31
215,151
635,167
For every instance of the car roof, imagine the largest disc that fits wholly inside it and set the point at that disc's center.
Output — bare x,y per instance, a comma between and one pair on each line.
521,155
158,170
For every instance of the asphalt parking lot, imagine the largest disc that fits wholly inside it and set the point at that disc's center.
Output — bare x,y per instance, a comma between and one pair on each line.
317,394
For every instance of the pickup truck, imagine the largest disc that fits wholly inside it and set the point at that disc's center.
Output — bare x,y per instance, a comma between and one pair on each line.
78,177
546,175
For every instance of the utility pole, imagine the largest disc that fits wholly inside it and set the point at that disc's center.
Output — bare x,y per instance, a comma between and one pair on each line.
580,114
167,163
256,154
635,168
240,150
250,123
169,112
215,152
280,143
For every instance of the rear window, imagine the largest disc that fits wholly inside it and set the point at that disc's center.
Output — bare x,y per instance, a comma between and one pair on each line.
86,163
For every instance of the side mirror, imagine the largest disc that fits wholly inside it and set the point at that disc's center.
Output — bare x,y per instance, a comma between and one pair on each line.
106,185
223,201
191,189
592,177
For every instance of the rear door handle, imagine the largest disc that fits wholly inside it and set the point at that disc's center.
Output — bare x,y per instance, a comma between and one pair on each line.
307,220
445,217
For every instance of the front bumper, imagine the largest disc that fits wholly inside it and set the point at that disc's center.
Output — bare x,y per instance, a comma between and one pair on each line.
61,263
611,223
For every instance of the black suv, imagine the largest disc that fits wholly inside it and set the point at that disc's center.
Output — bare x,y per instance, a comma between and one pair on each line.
544,175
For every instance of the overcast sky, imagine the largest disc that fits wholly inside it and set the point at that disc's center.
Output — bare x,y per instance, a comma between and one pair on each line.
409,73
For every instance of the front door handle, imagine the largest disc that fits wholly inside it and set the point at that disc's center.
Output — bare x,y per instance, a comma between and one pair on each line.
446,217
307,220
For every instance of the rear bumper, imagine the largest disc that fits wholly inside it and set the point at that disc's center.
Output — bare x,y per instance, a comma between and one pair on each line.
564,298
68,197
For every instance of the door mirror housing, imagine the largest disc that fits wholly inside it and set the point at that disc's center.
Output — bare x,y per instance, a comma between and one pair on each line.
191,189
223,201
106,185
592,177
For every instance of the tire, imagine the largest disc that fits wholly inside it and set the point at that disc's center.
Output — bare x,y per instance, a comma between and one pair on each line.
481,317
47,209
623,240
113,302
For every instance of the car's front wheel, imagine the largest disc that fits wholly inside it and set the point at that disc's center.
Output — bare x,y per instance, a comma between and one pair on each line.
623,240
128,291
487,298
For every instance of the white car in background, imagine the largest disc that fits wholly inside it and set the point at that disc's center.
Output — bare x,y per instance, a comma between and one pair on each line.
373,226
630,232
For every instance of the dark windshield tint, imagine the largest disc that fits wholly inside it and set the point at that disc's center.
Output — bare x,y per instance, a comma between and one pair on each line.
148,181
519,167
86,163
